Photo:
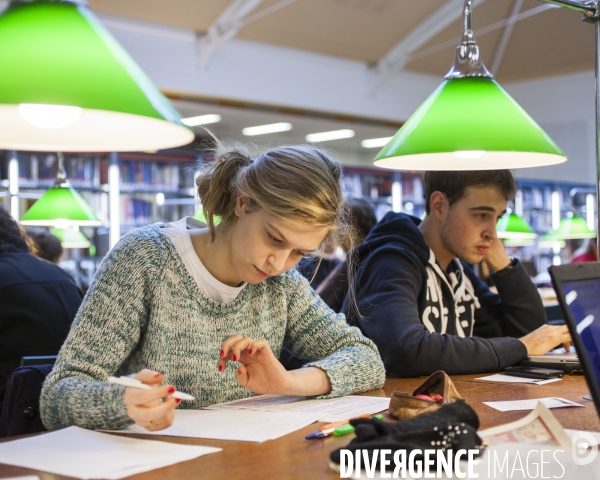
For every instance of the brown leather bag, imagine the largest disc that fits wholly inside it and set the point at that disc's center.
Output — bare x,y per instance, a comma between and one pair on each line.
404,406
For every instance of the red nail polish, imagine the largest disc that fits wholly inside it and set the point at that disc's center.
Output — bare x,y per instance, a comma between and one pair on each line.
220,368
249,352
157,375
234,358
222,354
178,401
171,390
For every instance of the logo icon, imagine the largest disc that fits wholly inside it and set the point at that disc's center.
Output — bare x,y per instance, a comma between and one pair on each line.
585,448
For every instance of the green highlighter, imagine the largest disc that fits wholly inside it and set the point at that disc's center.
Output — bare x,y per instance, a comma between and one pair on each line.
346,429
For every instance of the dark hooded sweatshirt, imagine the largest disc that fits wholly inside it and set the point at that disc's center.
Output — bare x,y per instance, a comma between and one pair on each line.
423,321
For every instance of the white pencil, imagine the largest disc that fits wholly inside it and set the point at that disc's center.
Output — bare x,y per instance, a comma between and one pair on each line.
132,382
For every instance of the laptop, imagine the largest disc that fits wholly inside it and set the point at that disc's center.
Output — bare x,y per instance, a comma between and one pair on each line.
578,291
557,359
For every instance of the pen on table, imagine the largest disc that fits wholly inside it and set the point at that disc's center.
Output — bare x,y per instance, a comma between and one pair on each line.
343,422
331,428
132,382
343,430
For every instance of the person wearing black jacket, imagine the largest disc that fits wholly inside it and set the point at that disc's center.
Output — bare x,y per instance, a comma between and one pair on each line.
38,302
419,300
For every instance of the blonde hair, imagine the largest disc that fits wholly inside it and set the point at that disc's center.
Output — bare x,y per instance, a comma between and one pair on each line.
299,182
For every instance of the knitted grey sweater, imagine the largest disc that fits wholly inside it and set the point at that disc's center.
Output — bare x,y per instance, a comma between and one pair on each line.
144,310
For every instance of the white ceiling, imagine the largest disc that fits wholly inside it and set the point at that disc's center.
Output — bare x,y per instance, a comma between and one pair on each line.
545,40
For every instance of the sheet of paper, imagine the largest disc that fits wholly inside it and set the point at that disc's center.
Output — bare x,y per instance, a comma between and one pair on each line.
80,453
330,410
539,427
245,426
510,379
550,402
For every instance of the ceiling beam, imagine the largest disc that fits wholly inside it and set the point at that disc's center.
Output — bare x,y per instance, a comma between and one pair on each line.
398,56
505,37
225,27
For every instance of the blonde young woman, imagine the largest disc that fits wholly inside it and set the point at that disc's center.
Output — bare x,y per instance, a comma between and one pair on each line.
207,310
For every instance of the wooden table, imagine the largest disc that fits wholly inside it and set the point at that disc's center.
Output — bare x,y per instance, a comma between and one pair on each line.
294,457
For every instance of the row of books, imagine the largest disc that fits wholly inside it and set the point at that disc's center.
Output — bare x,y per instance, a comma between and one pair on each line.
149,175
541,197
374,186
135,211
40,170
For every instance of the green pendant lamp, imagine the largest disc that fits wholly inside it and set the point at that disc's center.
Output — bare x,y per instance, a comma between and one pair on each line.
573,227
469,123
61,206
71,238
551,240
518,242
199,215
67,85
513,227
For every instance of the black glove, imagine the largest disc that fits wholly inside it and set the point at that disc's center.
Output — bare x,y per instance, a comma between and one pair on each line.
453,426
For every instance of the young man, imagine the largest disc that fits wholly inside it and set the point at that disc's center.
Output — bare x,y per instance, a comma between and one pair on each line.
420,301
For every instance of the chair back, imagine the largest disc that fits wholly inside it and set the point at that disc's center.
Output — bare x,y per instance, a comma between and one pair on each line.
39,360
21,409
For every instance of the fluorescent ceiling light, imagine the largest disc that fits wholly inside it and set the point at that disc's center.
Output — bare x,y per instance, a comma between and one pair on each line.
201,120
333,135
264,129
375,142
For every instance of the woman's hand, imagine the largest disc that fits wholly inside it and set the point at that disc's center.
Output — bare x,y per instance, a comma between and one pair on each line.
262,372
152,409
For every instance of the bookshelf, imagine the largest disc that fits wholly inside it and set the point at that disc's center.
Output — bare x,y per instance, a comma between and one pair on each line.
377,185
540,201
156,188
37,171
161,187
153,187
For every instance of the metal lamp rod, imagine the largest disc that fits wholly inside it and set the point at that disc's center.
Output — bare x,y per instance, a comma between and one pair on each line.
61,173
590,12
585,8
468,16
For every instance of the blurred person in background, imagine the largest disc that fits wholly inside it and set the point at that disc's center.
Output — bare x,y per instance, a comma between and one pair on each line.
317,267
38,301
586,253
333,288
50,249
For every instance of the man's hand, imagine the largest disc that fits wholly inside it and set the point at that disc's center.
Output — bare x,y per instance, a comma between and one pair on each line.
496,257
545,338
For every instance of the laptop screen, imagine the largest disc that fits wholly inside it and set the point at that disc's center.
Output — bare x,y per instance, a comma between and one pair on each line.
582,298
